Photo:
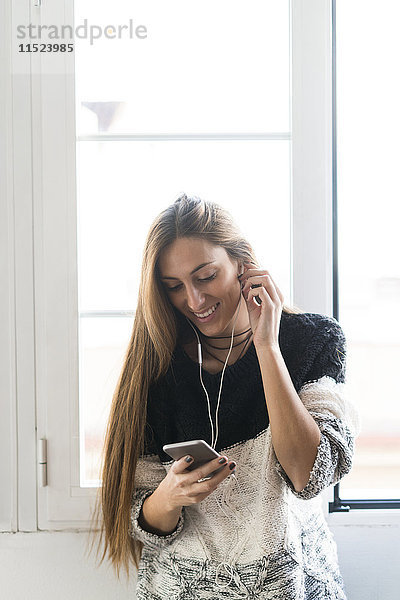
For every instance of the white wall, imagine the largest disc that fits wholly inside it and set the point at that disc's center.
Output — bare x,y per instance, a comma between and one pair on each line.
44,566
50,565
369,558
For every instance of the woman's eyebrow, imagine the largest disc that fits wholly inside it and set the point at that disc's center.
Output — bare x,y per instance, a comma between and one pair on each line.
194,270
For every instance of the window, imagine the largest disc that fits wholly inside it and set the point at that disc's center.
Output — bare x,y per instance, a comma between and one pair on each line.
368,96
60,128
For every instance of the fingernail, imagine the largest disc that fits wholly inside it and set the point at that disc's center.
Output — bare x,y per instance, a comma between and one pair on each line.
222,460
188,459
232,466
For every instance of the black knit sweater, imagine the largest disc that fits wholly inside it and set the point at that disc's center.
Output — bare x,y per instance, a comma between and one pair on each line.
312,346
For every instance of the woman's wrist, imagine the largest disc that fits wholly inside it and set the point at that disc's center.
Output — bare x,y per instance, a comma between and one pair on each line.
265,348
157,516
163,500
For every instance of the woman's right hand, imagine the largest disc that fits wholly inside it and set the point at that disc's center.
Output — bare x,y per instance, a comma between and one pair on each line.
181,488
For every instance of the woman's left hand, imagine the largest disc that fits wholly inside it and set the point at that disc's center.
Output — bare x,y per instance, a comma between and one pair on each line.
264,318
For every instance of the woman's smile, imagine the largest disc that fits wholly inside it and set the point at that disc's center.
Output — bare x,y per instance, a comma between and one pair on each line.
207,315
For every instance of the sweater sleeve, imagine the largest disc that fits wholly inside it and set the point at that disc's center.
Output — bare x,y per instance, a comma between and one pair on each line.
324,396
150,470
149,474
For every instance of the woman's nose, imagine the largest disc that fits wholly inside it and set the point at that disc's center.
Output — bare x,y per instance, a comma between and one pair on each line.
195,299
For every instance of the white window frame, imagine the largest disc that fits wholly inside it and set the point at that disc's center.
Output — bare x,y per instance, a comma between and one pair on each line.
8,451
38,236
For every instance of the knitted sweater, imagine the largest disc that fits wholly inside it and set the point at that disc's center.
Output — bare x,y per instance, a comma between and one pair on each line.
256,536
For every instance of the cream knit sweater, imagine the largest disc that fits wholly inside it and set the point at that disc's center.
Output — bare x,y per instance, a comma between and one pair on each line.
254,536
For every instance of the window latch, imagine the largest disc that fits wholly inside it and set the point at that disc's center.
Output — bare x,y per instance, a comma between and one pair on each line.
42,462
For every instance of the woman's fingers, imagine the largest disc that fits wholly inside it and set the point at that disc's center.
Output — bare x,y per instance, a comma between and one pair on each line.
205,485
261,295
205,479
264,279
204,471
180,466
278,291
184,487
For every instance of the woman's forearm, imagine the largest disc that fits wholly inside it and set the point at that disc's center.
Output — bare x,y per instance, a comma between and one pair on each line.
295,434
156,517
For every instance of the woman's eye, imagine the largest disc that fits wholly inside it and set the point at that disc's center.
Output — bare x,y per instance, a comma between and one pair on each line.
175,288
209,278
178,287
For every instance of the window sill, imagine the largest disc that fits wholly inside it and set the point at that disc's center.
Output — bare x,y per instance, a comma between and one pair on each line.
365,517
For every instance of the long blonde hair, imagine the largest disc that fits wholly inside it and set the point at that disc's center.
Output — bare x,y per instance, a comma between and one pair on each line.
154,336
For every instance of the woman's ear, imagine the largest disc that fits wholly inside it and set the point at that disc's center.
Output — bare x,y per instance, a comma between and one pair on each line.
240,273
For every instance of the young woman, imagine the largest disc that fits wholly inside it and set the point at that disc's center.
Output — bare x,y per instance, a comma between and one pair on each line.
215,355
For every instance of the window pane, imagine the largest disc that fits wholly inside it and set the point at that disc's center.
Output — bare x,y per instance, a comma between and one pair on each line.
203,67
369,212
103,342
122,186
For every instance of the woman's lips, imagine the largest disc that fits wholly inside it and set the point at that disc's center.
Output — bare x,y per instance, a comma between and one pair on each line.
208,317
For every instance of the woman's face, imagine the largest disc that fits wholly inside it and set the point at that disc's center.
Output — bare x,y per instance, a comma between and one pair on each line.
201,281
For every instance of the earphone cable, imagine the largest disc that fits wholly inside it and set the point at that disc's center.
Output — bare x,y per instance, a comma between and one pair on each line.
200,360
223,373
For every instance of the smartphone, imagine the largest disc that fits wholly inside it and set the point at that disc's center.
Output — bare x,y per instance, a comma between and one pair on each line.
198,449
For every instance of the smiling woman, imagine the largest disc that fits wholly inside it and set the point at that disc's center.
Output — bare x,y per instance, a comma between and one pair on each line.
284,422
207,289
